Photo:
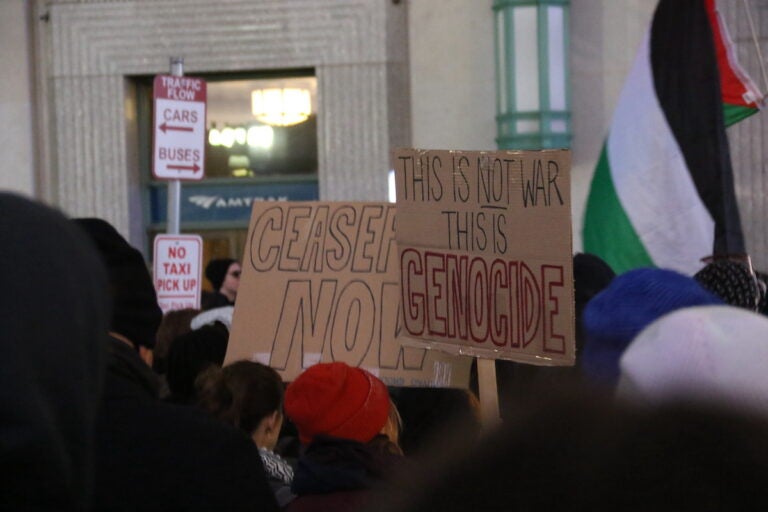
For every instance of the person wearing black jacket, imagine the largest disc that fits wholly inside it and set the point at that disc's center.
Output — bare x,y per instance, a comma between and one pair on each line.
224,276
153,455
54,315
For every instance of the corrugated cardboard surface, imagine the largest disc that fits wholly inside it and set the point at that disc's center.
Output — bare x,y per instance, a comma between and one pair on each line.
484,241
320,282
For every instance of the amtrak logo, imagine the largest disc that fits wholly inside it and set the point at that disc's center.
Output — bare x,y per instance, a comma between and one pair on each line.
203,201
208,202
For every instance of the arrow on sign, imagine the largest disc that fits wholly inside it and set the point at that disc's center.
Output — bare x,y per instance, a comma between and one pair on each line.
165,127
193,168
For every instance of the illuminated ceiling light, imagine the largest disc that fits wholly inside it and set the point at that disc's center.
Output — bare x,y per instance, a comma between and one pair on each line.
238,161
228,137
240,135
281,106
241,173
214,137
261,137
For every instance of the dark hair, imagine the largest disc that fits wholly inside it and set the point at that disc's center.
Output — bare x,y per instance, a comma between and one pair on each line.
174,324
428,413
190,354
216,271
241,394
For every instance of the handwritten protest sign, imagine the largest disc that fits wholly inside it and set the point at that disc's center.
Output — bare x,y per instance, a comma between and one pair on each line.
320,282
485,252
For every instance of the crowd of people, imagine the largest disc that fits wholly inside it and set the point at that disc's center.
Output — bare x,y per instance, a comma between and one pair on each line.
108,404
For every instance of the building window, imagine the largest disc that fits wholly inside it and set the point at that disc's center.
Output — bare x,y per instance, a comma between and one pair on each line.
533,98
262,128
261,146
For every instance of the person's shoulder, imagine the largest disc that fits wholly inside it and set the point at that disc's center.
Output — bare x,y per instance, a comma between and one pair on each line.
198,462
212,300
197,426
185,431
225,454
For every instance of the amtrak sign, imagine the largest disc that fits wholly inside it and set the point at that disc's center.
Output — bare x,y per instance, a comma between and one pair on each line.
179,128
204,202
208,202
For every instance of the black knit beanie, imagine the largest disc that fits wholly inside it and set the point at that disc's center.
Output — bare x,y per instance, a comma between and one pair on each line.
732,282
216,271
591,275
135,312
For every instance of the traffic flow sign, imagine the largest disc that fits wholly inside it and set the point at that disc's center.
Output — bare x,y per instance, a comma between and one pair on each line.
179,128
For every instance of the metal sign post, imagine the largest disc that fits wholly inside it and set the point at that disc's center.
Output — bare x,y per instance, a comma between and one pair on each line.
178,153
174,186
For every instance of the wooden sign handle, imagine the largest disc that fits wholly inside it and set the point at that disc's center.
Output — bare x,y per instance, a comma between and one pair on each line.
489,392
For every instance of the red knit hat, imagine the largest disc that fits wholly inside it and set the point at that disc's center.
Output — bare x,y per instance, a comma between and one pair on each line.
338,400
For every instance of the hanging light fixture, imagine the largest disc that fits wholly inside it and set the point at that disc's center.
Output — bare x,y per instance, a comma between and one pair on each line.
284,106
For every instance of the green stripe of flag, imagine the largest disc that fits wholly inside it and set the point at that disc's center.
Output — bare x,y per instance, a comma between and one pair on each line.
732,114
623,250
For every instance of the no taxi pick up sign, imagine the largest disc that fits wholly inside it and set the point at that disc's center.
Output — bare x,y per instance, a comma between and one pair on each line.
179,128
176,271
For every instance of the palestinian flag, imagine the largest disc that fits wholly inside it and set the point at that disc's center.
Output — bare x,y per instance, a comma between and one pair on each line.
663,194
741,97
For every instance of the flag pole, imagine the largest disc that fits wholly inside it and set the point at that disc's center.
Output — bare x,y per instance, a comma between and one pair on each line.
757,46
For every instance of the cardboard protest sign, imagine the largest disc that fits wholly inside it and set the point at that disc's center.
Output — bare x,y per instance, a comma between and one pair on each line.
485,252
320,282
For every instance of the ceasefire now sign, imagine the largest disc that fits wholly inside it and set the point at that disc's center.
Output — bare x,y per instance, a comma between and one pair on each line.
179,127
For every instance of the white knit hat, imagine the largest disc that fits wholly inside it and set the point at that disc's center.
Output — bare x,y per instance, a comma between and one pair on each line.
222,314
711,354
